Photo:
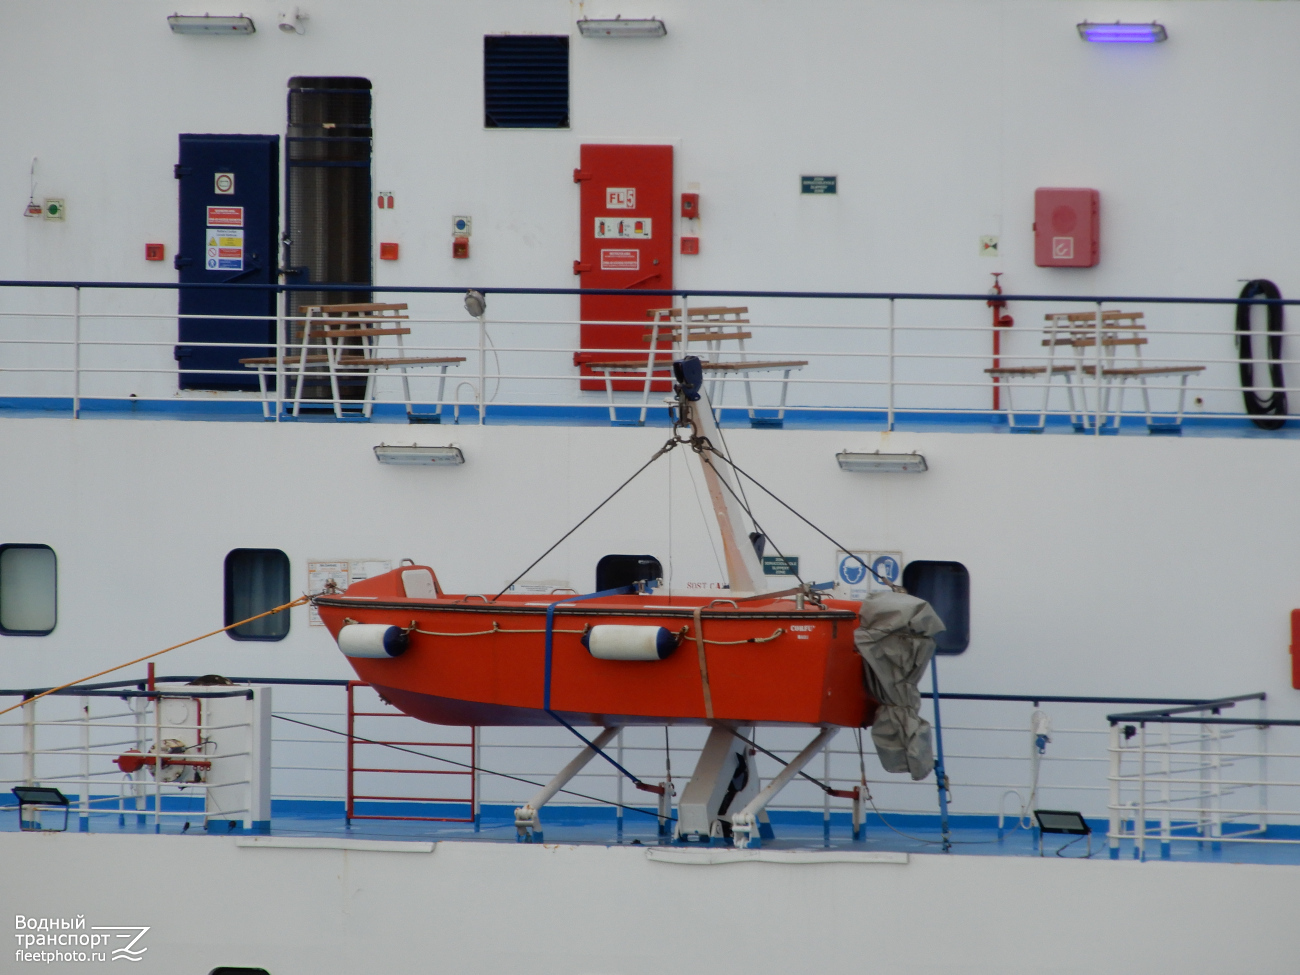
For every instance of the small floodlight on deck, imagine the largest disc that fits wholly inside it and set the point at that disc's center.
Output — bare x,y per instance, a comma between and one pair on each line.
417,455
36,798
881,463
1061,821
207,24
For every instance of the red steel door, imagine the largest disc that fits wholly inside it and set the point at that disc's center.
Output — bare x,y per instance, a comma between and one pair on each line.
627,243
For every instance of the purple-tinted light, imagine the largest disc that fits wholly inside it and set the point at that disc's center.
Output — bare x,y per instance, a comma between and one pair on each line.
1118,33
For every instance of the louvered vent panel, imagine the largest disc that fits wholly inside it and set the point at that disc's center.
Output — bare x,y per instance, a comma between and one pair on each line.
526,82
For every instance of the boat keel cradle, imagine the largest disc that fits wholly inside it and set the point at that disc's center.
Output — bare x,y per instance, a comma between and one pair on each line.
725,776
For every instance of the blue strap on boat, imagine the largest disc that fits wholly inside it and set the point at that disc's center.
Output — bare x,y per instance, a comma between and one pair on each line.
546,687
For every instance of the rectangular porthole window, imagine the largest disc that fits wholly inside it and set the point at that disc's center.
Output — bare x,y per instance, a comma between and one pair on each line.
29,591
525,82
257,579
946,587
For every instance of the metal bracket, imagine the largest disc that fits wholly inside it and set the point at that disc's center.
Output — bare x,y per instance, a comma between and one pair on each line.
527,823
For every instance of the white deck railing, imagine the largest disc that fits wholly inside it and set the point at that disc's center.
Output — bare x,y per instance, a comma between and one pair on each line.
880,357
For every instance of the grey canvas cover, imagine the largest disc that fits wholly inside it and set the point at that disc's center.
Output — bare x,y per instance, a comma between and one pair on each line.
895,638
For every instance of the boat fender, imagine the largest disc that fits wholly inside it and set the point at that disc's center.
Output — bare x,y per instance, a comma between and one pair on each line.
372,640
611,642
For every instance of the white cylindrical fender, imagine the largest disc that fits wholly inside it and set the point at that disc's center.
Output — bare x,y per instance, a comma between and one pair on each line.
612,642
372,640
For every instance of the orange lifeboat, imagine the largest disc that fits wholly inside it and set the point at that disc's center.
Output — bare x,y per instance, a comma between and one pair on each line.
612,660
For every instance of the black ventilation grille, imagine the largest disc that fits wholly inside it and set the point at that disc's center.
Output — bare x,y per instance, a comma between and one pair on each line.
526,82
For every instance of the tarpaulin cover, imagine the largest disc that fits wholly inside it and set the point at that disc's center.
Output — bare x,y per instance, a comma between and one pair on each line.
895,638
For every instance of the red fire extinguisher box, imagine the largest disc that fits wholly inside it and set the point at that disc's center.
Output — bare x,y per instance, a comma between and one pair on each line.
1066,227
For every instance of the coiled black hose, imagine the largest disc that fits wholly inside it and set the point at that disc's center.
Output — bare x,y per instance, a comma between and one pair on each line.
1274,404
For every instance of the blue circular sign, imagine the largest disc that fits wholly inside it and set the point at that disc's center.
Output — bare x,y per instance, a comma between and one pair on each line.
852,570
886,567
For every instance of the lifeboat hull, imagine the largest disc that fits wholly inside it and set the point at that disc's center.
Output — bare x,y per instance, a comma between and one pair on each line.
474,662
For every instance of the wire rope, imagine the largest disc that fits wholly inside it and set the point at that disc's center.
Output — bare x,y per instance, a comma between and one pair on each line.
473,768
659,453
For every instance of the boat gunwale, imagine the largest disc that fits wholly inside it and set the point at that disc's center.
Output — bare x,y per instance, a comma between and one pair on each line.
684,612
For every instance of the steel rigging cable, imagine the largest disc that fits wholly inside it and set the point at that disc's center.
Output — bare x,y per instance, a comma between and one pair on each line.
1274,404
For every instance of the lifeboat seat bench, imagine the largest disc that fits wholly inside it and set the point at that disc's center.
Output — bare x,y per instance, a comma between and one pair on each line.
1078,332
350,335
711,326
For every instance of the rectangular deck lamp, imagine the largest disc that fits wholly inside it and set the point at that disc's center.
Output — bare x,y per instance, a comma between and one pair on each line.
1118,33
1059,821
417,455
207,24
39,797
618,27
881,463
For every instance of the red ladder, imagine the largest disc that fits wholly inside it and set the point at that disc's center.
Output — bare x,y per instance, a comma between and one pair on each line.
371,741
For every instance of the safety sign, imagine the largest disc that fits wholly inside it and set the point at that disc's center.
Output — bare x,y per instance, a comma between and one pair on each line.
1062,248
338,575
225,216
859,573
819,185
620,259
638,227
620,198
225,249
223,184
777,565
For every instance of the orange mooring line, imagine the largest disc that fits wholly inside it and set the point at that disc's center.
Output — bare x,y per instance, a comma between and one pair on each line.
300,601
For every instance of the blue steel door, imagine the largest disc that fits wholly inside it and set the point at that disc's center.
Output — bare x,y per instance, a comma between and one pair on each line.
229,213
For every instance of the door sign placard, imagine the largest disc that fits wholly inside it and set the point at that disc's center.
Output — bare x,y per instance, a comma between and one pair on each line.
225,216
225,249
625,227
620,198
223,184
620,259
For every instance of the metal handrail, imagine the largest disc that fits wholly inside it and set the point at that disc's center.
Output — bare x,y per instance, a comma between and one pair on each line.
1165,715
657,293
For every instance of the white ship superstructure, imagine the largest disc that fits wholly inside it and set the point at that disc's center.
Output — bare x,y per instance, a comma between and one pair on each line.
248,251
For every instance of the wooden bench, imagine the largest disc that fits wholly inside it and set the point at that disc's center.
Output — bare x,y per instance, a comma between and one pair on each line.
1079,332
710,325
350,334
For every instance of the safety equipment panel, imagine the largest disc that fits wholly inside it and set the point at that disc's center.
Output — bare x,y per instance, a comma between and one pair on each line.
627,244
1066,227
229,209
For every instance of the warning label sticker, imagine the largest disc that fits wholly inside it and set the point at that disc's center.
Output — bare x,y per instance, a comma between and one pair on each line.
225,216
635,227
620,198
622,259
1062,248
225,249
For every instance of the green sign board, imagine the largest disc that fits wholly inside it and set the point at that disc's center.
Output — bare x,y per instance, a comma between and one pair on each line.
775,565
819,185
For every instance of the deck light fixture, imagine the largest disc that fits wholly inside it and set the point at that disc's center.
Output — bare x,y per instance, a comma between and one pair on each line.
475,303
417,455
207,24
1118,33
881,463
36,798
618,27
1061,821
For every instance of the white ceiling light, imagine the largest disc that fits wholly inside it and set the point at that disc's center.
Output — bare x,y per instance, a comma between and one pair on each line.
207,24
415,454
618,27
881,463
